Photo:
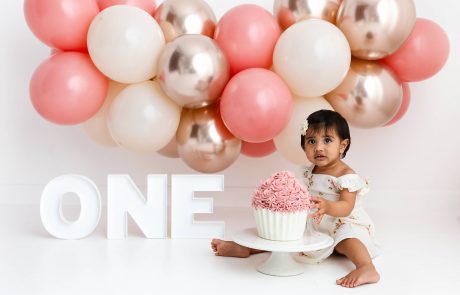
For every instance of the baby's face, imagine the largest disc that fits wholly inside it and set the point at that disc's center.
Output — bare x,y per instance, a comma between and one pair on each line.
324,147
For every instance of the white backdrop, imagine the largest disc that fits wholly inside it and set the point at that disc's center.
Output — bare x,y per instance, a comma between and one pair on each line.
419,154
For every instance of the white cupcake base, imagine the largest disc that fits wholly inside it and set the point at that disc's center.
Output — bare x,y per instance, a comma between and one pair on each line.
281,263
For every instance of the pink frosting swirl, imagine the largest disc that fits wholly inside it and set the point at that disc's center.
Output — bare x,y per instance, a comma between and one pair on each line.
281,192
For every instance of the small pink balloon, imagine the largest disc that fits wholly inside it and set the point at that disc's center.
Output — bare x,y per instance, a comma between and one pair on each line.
423,54
404,105
247,34
148,5
256,105
257,150
67,88
61,24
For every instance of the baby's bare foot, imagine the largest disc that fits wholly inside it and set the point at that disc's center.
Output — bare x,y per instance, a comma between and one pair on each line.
229,248
365,274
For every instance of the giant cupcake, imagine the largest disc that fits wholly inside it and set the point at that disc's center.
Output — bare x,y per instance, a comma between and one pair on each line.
281,205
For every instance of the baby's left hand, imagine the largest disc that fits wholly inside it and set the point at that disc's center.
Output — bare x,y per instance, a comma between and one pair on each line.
321,204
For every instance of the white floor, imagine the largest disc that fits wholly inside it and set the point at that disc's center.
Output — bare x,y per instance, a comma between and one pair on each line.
421,256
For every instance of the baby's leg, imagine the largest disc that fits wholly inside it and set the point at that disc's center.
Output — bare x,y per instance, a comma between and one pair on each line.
365,272
231,249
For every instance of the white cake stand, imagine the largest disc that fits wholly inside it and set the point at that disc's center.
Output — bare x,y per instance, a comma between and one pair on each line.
280,263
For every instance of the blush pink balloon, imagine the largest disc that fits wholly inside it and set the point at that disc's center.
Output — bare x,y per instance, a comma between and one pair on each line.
256,105
423,54
247,34
404,105
257,150
61,24
67,88
148,5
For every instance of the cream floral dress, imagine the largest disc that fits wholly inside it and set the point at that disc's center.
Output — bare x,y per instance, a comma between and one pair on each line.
357,225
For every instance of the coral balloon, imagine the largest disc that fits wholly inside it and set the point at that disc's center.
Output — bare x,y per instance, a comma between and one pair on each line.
288,141
179,17
257,150
404,105
256,105
313,57
146,5
423,54
67,88
96,127
370,96
204,143
124,43
142,118
61,24
247,34
376,28
193,71
288,12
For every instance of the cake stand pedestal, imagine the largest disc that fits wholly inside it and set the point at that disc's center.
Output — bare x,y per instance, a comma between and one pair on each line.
280,263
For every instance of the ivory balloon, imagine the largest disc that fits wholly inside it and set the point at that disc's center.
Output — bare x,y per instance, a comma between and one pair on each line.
204,143
96,127
370,95
376,28
179,17
124,43
288,141
193,71
312,57
142,118
288,12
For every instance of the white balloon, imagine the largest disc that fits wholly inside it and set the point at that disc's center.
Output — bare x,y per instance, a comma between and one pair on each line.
96,127
124,43
142,118
288,141
313,57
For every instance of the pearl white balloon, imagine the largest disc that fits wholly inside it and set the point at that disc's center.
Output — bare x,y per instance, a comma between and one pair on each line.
288,141
312,57
96,127
124,43
142,118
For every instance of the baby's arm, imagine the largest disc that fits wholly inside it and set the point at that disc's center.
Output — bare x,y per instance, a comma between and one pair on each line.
340,208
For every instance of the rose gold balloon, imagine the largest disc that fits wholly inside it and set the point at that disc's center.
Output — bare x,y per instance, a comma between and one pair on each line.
204,143
193,71
370,95
170,150
376,28
288,12
179,17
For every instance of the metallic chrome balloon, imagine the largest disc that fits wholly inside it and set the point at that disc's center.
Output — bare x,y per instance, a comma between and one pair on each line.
370,95
179,17
170,150
288,12
193,71
203,141
376,28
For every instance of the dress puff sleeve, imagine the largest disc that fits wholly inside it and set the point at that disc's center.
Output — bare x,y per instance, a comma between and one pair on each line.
353,182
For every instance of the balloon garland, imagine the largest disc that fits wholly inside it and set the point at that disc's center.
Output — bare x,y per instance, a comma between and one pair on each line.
174,80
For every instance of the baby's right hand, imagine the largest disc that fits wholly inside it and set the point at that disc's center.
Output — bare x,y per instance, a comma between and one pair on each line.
321,205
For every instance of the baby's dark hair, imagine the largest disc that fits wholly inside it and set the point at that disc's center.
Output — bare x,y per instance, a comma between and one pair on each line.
328,120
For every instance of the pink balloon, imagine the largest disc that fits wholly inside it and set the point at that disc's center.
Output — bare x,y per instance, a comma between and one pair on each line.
404,105
256,105
148,5
247,34
67,88
423,54
257,150
61,24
